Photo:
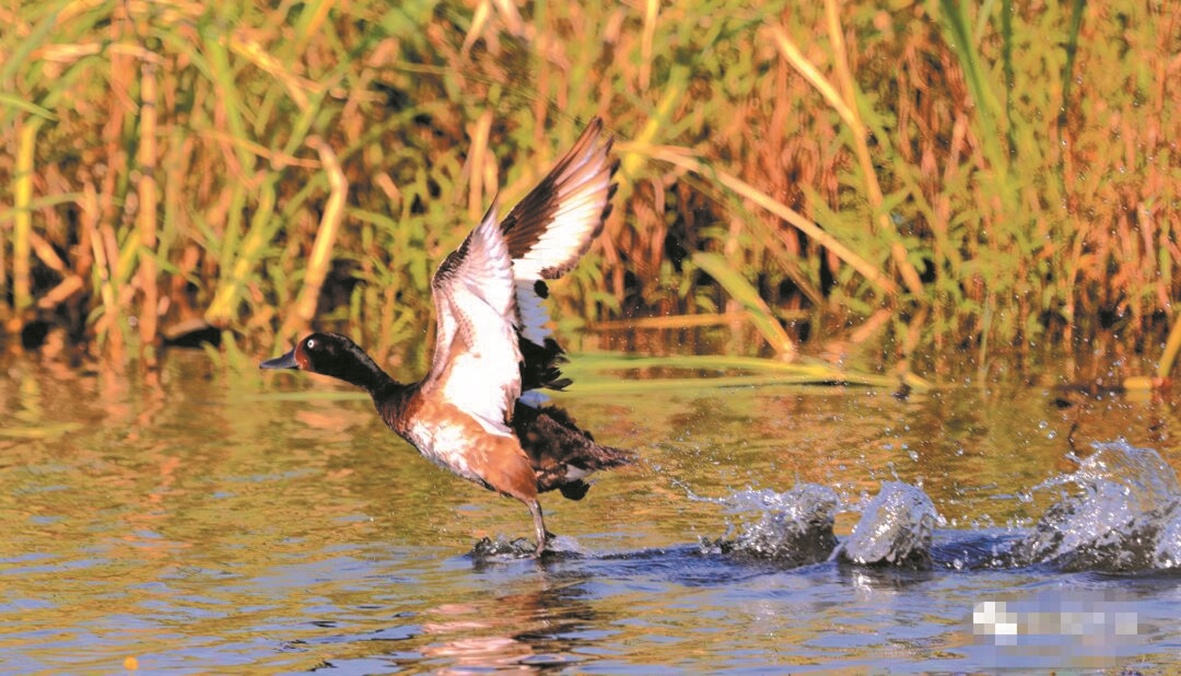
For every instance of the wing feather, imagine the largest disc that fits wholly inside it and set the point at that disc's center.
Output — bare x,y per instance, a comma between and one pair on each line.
488,293
554,225
476,360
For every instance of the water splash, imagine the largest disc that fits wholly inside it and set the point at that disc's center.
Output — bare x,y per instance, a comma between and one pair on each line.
1167,553
1120,511
896,529
794,528
1124,517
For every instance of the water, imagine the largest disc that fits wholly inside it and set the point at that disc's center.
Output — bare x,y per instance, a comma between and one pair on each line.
199,522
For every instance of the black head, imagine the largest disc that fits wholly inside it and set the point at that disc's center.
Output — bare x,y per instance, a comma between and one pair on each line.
331,354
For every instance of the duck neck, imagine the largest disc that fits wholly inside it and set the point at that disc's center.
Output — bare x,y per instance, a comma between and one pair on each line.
387,389
388,395
367,375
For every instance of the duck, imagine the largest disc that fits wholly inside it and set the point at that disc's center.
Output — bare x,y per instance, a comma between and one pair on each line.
480,410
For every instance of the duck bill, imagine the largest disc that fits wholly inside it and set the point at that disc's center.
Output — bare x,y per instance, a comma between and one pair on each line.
286,361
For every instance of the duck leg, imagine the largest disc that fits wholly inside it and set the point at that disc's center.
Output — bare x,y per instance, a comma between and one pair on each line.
539,524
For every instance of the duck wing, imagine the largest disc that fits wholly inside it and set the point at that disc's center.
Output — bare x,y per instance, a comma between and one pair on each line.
547,232
476,360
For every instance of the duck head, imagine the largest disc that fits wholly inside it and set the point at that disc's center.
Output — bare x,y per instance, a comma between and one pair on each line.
331,354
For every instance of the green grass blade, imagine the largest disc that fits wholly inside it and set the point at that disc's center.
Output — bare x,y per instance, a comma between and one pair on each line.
12,101
741,290
955,20
1076,23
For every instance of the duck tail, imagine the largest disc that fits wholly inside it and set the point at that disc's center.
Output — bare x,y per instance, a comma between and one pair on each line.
562,454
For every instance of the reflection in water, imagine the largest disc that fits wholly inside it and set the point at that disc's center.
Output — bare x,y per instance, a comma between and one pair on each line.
201,522
523,620
532,628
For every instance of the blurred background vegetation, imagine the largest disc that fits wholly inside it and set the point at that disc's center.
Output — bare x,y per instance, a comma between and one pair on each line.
937,176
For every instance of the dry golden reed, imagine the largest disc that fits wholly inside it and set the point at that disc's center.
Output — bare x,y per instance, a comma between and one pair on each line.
985,180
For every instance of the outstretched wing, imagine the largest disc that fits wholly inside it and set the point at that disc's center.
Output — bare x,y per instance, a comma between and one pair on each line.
554,225
476,360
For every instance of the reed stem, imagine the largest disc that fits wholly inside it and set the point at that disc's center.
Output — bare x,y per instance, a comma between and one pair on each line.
300,317
680,158
224,306
23,221
148,205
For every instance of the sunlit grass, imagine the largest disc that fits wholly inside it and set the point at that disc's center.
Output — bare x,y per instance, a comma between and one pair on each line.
990,175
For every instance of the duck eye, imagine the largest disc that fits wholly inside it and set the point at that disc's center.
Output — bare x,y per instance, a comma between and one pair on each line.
310,344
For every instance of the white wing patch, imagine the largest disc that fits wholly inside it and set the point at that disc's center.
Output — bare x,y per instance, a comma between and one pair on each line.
534,316
488,289
553,226
579,198
476,355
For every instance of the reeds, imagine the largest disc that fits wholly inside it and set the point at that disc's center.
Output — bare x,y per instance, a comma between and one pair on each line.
988,179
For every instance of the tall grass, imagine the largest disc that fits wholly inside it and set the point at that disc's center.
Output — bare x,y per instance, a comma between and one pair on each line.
986,175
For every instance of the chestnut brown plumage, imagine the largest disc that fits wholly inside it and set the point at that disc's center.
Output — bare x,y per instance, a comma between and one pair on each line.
478,412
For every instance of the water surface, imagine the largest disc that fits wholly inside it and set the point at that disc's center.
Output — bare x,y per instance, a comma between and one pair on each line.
198,521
